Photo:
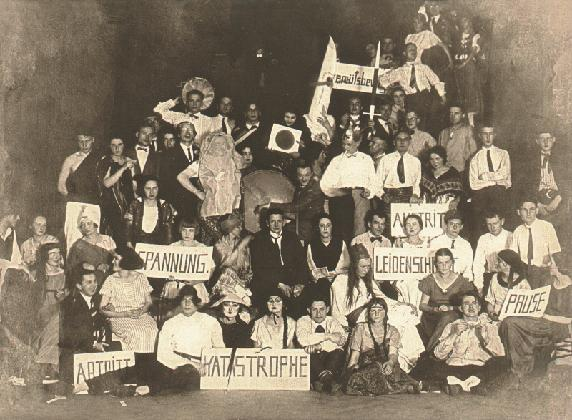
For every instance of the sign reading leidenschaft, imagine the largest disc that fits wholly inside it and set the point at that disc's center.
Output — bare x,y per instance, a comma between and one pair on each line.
89,365
431,214
530,303
181,262
256,369
402,263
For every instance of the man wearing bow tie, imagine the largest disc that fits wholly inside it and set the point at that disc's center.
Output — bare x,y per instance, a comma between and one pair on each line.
350,174
323,338
143,153
184,155
194,103
373,238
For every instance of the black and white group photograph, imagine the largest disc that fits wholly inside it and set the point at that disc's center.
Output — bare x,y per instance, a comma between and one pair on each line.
285,209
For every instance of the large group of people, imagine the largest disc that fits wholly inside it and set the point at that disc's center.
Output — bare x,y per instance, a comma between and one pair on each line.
304,277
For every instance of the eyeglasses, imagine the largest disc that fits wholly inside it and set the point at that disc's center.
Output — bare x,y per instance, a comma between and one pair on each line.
275,300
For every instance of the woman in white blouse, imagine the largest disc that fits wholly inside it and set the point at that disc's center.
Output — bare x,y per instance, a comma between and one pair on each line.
350,294
274,330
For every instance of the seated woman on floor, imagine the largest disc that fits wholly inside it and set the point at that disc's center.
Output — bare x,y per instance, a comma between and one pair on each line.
93,248
125,300
438,292
274,330
469,352
350,293
50,290
181,343
234,318
511,275
373,367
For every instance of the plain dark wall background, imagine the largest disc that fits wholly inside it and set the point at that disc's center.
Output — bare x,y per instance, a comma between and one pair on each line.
99,66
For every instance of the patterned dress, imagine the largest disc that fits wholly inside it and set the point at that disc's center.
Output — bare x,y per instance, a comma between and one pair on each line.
136,334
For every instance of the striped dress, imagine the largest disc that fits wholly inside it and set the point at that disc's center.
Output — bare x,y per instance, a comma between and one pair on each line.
136,334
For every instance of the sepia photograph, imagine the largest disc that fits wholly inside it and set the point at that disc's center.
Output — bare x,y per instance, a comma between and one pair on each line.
285,209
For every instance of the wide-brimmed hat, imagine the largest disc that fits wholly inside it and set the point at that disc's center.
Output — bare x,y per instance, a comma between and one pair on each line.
203,86
130,260
233,297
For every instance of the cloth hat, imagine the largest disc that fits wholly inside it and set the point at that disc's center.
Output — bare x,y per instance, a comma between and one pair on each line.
228,224
88,213
233,297
131,260
511,258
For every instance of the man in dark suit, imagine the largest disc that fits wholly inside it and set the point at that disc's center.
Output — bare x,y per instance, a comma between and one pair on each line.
548,179
174,161
382,125
278,264
146,157
83,329
252,133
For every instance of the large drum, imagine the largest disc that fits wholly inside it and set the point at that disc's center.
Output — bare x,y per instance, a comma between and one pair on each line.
261,187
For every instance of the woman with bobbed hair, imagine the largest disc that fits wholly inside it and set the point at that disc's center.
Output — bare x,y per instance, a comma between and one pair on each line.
441,183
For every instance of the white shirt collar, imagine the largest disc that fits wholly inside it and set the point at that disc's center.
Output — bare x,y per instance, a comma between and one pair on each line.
87,299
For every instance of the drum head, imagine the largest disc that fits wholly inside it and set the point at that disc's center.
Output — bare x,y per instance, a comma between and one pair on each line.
261,187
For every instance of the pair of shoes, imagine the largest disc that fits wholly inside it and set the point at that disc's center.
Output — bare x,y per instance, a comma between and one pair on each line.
453,390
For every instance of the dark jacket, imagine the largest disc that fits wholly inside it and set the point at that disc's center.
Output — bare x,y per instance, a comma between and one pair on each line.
174,161
152,165
267,268
163,233
307,203
80,327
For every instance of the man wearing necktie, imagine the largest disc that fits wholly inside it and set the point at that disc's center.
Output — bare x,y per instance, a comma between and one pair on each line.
399,175
490,180
83,328
419,82
549,172
224,121
182,192
323,338
536,242
278,264
350,175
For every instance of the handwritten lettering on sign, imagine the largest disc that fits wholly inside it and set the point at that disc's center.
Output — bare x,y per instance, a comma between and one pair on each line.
355,78
431,214
525,303
256,369
89,365
183,263
402,263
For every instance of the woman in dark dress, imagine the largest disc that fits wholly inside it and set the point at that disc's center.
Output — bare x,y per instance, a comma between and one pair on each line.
149,219
234,320
114,175
439,291
441,183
